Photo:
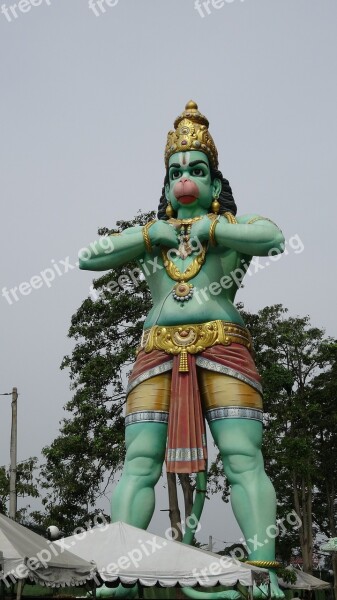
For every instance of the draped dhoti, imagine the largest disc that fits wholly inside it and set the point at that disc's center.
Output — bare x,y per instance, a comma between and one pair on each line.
219,382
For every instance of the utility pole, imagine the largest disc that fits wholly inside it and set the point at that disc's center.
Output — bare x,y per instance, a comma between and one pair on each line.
13,456
210,543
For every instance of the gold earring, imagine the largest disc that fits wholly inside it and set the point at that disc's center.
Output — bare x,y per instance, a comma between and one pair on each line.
169,210
215,205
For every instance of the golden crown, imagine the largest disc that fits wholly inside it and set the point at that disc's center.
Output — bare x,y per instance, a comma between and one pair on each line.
191,133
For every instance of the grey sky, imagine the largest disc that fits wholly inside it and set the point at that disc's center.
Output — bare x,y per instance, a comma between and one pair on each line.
86,103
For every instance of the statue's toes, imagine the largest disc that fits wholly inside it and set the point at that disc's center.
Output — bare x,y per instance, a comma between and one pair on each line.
260,591
276,592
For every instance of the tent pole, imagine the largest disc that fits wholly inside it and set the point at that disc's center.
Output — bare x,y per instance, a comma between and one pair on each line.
19,589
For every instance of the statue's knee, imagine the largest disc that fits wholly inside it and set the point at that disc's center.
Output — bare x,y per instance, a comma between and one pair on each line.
236,465
144,466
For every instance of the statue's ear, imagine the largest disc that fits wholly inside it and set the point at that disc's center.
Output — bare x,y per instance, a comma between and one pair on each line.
217,185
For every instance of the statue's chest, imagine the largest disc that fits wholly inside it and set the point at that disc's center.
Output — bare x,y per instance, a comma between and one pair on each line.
204,265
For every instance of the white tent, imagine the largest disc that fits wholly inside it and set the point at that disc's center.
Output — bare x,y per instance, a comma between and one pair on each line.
24,554
304,581
129,555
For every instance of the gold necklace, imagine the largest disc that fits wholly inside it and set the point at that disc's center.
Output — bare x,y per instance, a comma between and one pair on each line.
182,291
173,221
185,225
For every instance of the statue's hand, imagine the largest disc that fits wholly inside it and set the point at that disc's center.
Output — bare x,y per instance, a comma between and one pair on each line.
163,234
200,229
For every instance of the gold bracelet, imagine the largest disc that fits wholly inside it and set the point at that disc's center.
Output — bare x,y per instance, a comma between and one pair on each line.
230,218
264,564
259,218
212,232
146,236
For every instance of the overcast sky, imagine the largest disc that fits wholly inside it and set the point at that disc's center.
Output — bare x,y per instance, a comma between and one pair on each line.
86,104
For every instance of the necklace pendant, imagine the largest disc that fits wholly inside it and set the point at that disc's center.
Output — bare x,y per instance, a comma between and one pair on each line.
182,292
184,250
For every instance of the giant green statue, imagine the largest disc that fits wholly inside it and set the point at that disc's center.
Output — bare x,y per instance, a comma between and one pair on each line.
194,360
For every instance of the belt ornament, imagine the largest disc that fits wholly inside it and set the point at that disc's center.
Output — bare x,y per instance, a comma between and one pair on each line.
192,339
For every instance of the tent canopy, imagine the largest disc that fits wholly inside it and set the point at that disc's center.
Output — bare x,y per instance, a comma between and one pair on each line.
24,554
129,555
304,581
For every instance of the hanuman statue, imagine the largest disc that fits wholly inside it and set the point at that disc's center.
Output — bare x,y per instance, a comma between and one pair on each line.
195,356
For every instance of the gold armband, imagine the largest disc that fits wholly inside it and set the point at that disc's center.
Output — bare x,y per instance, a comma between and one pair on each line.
214,223
259,218
146,236
230,218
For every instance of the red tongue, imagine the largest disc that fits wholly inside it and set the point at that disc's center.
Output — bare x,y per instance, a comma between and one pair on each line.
186,199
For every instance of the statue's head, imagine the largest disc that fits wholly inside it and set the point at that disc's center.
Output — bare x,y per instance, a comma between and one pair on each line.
191,160
190,182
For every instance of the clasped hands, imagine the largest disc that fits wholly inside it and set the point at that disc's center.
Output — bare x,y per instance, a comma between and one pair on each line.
166,234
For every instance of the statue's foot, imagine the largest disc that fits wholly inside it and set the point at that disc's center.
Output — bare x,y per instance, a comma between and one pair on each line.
229,595
118,592
263,591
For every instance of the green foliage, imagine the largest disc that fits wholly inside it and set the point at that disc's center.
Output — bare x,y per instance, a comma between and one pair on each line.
287,574
26,486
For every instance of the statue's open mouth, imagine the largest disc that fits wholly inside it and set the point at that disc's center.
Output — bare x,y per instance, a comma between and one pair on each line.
186,199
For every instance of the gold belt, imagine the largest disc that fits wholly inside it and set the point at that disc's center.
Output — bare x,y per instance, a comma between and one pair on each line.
183,339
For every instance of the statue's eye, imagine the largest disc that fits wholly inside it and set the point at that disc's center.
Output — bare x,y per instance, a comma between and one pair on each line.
198,172
175,174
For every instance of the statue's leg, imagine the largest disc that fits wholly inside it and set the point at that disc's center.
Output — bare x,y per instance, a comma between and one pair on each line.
145,438
133,500
239,441
252,493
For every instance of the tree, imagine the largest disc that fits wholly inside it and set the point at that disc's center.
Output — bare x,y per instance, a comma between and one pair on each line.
324,394
26,486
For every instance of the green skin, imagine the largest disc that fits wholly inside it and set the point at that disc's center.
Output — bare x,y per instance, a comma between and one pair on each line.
238,440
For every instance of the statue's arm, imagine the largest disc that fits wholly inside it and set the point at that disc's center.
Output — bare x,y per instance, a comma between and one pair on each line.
252,235
113,251
118,249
